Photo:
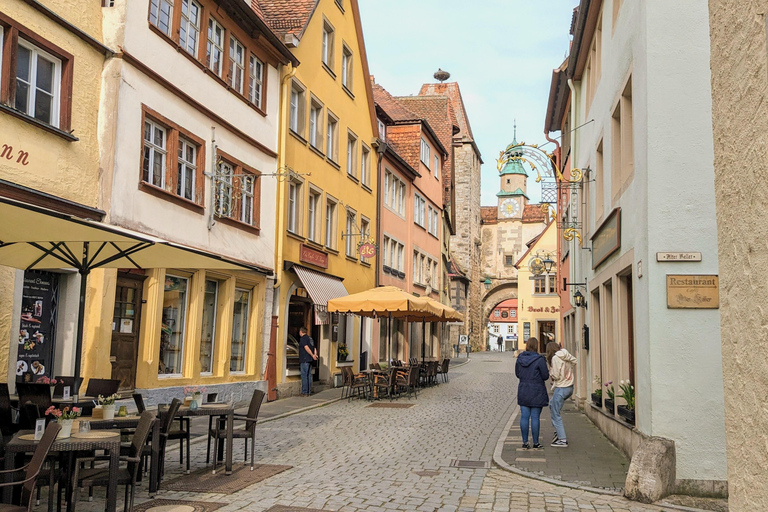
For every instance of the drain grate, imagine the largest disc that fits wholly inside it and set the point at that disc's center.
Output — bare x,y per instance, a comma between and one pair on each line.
427,472
384,405
491,361
472,464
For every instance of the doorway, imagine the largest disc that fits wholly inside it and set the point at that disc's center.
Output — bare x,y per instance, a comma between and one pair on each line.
547,327
125,330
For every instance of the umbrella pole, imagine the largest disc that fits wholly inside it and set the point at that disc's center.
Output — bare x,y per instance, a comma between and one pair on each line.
423,337
84,271
389,339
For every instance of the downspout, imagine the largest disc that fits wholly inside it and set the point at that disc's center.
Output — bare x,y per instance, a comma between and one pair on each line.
574,147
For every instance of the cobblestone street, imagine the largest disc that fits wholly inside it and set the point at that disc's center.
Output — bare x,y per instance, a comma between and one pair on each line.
349,456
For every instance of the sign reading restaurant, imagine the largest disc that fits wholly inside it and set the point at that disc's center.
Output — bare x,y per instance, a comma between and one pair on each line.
693,291
313,257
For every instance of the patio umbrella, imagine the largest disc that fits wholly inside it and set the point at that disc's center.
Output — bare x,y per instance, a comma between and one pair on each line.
32,237
447,314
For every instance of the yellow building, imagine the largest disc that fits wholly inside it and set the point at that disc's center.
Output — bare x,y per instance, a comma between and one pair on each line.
51,57
538,301
327,205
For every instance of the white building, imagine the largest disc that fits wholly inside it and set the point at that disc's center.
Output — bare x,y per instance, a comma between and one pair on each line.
640,120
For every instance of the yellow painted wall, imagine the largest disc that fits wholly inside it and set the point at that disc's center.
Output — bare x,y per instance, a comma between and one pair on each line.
354,112
549,304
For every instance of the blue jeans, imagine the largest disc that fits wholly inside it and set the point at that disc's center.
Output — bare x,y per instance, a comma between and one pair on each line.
306,378
559,396
530,414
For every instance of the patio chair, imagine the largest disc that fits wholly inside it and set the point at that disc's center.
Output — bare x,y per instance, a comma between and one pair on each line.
248,430
37,394
127,475
403,381
104,387
384,382
138,399
7,426
443,369
166,421
31,470
61,382
357,383
413,382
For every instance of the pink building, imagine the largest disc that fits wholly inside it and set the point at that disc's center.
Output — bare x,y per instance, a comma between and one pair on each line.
410,221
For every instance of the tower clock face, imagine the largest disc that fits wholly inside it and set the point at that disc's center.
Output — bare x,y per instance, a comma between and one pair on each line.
509,208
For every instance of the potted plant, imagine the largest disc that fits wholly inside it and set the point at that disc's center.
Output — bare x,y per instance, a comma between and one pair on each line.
108,405
342,352
47,380
610,394
197,395
627,411
64,418
597,394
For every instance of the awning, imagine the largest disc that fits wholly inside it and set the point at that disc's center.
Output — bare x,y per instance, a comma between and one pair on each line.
320,287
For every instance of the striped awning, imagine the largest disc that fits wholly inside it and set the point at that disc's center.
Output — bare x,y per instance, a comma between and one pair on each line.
320,287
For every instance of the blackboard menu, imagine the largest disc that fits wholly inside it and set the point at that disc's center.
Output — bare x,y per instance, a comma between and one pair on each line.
39,304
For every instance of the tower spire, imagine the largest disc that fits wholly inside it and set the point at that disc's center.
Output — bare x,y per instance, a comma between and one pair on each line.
514,127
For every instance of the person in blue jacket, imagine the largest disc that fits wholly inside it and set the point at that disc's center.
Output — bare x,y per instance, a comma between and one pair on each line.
531,369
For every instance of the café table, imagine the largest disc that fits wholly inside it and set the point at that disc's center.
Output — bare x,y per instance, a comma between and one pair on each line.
222,410
78,441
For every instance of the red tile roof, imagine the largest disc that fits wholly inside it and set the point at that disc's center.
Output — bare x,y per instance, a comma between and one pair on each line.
451,90
286,16
256,7
489,214
391,106
405,140
532,213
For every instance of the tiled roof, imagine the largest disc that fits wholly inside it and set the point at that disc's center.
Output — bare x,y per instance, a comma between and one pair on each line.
533,213
256,7
489,214
286,16
451,90
405,140
391,106
456,271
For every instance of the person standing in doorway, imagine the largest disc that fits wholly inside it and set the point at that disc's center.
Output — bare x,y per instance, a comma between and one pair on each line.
531,369
561,364
307,355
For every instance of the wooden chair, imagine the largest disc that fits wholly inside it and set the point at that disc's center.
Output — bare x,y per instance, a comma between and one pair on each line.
248,430
90,477
31,470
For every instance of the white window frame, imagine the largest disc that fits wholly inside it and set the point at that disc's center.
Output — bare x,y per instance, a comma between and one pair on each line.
382,129
247,196
330,221
315,123
155,12
351,154
153,150
186,24
236,66
211,45
332,137
245,334
298,105
419,205
349,246
35,53
185,166
365,232
327,44
294,207
215,314
255,79
365,165
346,67
225,188
436,162
424,152
387,182
313,204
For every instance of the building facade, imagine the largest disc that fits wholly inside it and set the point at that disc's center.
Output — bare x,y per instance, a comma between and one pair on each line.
327,204
502,323
651,274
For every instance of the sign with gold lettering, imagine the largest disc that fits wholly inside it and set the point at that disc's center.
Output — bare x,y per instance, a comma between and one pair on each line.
607,238
693,291
367,250
313,256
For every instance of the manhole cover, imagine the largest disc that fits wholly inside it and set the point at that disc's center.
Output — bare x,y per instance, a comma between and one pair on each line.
427,473
384,405
473,464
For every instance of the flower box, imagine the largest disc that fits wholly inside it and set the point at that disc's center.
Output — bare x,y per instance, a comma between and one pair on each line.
609,406
597,399
627,414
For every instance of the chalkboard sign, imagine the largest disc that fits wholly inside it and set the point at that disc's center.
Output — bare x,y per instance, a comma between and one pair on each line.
39,304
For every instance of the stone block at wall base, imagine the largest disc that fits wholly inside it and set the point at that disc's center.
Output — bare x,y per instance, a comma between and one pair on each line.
702,488
233,392
651,474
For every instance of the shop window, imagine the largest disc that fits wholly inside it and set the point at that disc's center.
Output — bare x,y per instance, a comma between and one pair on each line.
239,330
215,47
208,331
236,65
161,15
189,27
172,330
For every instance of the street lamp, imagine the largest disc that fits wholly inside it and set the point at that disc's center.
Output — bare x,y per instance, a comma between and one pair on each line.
487,283
579,300
548,264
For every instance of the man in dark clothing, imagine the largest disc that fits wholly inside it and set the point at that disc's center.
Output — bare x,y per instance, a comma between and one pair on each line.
307,355
499,341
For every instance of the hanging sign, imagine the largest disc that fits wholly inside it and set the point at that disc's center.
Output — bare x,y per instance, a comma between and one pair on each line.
367,250
38,322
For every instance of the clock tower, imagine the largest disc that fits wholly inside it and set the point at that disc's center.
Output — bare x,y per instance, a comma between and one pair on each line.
511,196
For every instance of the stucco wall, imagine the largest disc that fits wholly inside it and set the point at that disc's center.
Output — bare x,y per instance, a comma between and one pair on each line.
740,119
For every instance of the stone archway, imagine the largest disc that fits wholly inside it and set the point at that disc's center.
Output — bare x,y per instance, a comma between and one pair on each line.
498,294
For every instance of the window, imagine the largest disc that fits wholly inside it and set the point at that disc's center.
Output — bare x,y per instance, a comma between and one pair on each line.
189,28
187,169
388,182
436,166
38,83
208,332
365,165
394,193
419,205
432,218
327,45
294,207
622,158
424,152
247,202
496,313
351,154
552,288
346,68
340,4
392,257
238,192
161,15
255,77
351,232
215,47
236,64
298,105
330,222
332,138
153,164
365,233
385,251
509,260
315,123
510,329
539,284
225,188
313,215
416,268
239,330
495,329
382,129
172,329
592,69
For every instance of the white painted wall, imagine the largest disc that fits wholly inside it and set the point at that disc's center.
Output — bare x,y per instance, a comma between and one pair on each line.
669,206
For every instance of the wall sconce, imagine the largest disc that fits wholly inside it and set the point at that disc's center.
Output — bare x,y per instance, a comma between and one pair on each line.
487,283
548,264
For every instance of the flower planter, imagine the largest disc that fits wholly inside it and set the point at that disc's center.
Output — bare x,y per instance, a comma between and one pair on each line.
609,406
597,399
108,411
66,428
627,414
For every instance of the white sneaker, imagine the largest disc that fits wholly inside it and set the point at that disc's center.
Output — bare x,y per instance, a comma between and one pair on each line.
560,443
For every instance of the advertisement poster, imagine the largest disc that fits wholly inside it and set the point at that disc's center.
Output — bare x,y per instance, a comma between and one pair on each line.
39,303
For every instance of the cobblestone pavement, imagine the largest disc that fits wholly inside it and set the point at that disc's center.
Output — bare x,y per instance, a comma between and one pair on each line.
347,456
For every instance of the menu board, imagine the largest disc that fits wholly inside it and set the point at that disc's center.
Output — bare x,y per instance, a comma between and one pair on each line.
39,303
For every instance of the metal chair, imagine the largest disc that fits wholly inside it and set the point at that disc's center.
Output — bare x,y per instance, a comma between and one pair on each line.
37,394
166,418
32,470
219,432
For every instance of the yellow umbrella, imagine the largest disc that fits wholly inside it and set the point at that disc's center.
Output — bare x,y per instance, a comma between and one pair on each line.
447,313
388,301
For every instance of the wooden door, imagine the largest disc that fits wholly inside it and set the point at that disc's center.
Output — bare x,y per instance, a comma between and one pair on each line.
125,331
545,328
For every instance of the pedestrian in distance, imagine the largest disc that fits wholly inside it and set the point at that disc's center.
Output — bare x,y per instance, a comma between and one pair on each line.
307,355
561,364
499,342
531,369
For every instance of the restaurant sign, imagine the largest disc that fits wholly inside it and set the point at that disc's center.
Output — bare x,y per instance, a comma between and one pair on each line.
367,250
313,256
39,305
693,291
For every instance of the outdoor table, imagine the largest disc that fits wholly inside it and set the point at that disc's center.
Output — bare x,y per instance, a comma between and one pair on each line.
69,446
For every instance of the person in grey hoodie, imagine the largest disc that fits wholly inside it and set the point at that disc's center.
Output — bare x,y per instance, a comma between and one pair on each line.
561,364
531,369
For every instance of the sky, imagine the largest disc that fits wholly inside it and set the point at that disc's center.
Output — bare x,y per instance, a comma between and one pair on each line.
501,52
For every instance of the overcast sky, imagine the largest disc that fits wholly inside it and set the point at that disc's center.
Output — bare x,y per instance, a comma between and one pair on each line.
501,52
